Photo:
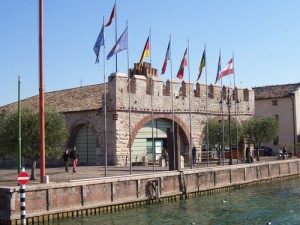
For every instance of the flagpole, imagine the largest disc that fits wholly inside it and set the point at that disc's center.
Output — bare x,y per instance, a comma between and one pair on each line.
172,93
41,95
190,114
116,34
235,109
223,125
222,108
105,105
152,89
20,124
129,103
206,97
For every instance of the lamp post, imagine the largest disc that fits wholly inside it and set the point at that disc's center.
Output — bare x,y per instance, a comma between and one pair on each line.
228,103
237,107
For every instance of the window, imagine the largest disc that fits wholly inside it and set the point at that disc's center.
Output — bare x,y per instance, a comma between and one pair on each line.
274,102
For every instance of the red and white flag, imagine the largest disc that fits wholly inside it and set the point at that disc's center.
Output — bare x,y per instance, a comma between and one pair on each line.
227,70
182,65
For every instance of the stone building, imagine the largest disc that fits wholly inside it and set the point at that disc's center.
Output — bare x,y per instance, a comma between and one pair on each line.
139,112
281,101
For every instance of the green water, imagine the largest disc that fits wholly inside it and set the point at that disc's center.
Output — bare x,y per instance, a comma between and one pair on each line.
278,202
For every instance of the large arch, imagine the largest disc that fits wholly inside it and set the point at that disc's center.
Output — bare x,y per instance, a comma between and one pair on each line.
148,118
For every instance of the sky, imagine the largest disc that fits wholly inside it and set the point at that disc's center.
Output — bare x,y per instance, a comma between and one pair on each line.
262,35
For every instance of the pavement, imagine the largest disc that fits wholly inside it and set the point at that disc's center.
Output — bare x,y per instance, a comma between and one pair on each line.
8,176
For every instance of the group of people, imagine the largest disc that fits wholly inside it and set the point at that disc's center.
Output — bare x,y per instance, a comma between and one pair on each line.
73,155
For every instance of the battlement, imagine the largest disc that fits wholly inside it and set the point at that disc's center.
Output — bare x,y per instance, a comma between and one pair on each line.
148,89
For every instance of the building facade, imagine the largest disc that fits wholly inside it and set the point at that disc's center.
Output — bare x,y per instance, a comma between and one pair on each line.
124,118
283,102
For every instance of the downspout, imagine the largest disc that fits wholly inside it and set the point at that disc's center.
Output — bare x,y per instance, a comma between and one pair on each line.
294,124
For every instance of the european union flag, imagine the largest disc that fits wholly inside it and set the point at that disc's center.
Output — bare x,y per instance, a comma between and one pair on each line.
99,43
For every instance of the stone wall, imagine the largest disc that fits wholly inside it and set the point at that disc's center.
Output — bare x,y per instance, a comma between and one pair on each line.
49,201
189,100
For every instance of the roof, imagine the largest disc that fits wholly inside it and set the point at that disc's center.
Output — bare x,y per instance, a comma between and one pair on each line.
275,91
68,100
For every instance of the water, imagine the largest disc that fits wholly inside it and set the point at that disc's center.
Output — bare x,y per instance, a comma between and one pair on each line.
278,202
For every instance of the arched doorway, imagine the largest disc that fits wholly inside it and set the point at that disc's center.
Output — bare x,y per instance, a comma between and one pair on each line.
85,141
159,135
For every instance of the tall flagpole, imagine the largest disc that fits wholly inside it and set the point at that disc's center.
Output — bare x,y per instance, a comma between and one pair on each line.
20,124
190,114
235,109
151,90
116,34
105,104
41,95
172,93
129,103
223,125
206,97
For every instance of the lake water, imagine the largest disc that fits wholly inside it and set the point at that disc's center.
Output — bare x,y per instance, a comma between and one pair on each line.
278,202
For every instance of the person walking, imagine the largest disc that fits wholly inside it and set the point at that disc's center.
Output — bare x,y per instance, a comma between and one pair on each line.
74,157
65,158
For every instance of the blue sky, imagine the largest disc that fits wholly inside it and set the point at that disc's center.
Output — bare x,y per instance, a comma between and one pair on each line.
263,35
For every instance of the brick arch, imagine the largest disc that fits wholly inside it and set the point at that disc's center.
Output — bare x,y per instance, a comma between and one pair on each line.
146,119
74,129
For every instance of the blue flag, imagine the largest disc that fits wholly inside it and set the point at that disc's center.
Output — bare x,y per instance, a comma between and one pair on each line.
119,46
219,69
99,43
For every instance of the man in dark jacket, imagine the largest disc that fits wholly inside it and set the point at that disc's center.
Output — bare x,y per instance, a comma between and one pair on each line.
65,158
74,157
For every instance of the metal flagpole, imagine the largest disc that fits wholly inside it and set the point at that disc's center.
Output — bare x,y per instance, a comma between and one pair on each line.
41,96
105,104
116,34
172,93
207,135
129,104
19,121
235,109
151,90
223,125
190,114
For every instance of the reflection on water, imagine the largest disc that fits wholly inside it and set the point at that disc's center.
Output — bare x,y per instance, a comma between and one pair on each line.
278,202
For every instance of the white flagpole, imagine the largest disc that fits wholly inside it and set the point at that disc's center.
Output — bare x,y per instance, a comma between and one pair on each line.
105,124
235,109
116,34
151,92
190,114
207,134
172,93
129,103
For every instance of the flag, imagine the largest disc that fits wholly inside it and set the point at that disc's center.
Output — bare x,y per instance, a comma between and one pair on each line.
182,65
202,64
99,43
168,57
112,15
146,53
119,46
228,69
219,69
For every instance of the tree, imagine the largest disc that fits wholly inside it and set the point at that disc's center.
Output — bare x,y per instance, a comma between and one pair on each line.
55,135
260,129
215,133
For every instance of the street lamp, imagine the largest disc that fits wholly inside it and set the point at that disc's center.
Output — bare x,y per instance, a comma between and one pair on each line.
228,103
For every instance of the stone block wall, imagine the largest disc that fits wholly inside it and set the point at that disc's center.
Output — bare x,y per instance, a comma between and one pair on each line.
48,201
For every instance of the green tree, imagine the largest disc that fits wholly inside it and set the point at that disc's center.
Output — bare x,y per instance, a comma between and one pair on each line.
215,132
55,135
259,130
